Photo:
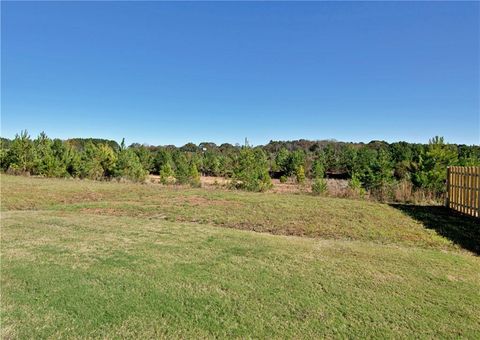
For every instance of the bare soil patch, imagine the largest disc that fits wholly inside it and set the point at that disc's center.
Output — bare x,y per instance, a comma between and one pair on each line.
336,187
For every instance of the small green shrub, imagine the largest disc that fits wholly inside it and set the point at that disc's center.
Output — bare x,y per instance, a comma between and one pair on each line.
128,166
283,179
182,168
300,174
250,171
356,185
318,167
167,174
194,176
319,186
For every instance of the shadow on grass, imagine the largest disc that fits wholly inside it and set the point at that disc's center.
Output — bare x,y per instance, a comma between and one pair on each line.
461,229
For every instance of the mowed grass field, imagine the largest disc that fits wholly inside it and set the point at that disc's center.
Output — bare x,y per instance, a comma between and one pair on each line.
83,259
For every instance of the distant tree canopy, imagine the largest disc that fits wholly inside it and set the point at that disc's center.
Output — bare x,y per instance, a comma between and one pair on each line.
373,166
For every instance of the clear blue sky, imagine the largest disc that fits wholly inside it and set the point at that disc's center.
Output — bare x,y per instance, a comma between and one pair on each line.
170,73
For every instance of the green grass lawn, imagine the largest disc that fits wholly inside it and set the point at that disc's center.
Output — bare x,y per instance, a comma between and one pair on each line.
85,259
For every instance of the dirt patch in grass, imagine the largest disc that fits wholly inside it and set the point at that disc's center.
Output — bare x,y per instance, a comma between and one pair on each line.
83,197
199,201
336,187
105,211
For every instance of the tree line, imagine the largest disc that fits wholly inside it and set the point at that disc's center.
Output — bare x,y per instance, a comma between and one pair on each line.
375,167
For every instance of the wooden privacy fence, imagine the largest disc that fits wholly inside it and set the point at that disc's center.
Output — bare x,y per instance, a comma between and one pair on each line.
463,189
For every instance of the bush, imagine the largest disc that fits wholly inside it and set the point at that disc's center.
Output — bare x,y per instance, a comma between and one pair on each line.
194,176
145,157
318,167
283,179
167,174
251,171
211,164
319,186
356,185
281,161
182,169
300,174
21,155
97,162
162,157
432,172
129,166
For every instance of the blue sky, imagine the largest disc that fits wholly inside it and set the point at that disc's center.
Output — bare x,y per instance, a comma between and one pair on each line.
170,73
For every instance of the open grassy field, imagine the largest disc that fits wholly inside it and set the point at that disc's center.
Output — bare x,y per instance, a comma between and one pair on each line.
84,259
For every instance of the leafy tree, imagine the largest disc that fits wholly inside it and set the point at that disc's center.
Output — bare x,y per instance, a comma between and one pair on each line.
251,170
189,147
43,155
354,182
21,155
403,169
145,157
48,157
72,160
296,160
167,175
211,163
197,159
282,161
363,168
208,146
300,175
330,157
382,176
182,170
162,157
194,176
97,162
226,166
226,148
90,166
401,151
107,159
319,186
5,143
469,155
382,170
4,162
128,166
433,165
80,143
318,166
347,158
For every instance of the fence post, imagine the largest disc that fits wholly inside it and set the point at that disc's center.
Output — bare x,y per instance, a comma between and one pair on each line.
447,200
477,198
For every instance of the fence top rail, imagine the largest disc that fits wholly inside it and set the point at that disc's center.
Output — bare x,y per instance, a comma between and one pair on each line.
464,169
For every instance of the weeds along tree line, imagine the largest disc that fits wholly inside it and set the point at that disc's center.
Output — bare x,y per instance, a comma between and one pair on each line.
377,167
